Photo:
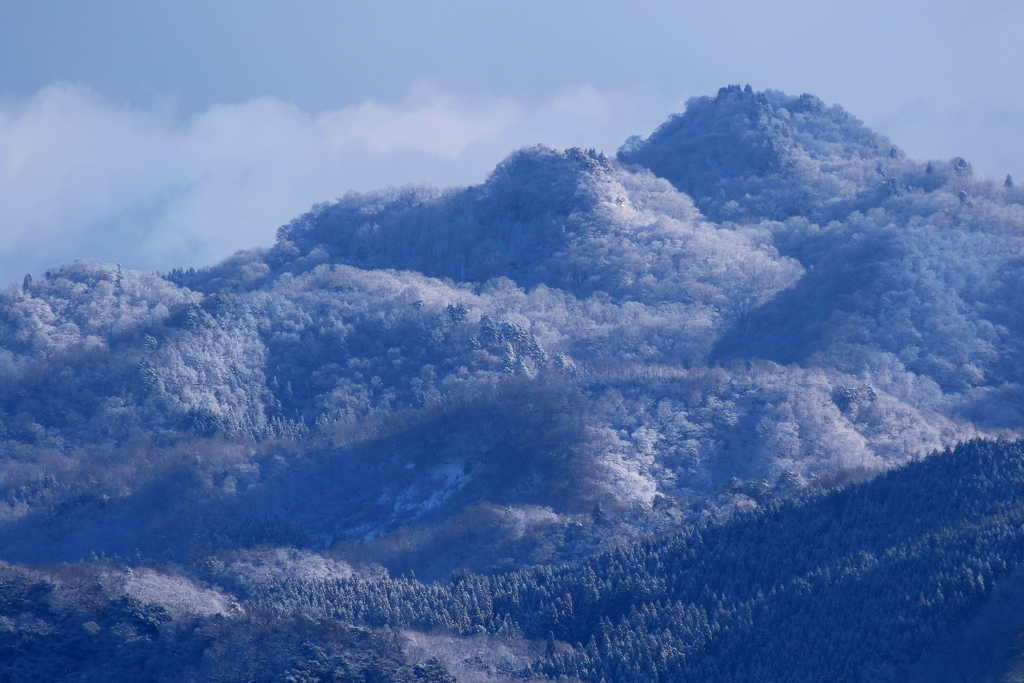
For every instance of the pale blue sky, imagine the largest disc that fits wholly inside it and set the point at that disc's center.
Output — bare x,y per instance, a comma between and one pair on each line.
158,134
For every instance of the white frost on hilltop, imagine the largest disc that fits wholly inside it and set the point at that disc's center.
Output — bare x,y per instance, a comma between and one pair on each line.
263,568
178,595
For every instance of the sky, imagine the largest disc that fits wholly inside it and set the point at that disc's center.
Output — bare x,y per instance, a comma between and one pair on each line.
172,134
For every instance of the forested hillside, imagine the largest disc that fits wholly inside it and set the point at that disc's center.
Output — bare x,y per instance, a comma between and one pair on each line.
913,576
587,358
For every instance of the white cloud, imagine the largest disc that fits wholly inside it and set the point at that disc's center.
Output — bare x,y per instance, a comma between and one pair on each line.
83,177
428,121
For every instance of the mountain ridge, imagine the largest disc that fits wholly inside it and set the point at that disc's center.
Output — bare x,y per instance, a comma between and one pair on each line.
742,403
695,349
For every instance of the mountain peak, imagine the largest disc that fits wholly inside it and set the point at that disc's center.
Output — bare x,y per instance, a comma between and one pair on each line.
765,154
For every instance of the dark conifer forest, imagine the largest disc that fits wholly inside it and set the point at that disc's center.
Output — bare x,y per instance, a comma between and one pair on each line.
739,402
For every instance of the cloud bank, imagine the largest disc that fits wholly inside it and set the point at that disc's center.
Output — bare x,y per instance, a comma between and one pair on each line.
85,177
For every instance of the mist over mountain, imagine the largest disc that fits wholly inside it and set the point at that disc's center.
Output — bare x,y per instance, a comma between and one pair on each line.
763,300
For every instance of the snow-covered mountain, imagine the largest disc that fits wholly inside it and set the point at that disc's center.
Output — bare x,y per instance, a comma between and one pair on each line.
762,290
760,302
